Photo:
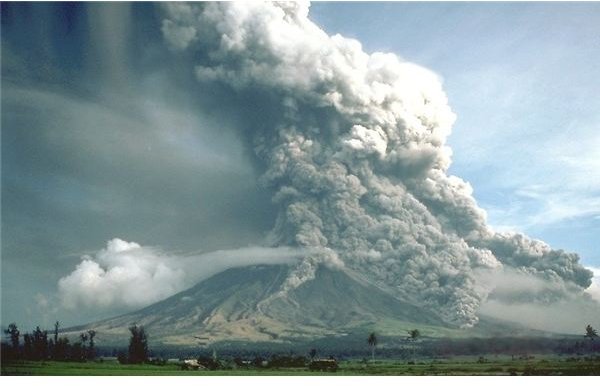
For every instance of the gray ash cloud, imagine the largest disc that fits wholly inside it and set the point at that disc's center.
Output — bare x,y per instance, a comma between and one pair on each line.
353,147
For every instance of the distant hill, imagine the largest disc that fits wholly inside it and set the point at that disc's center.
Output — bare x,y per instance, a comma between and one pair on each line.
233,306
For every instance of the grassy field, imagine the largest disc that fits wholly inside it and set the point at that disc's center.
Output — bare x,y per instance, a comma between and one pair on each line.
466,366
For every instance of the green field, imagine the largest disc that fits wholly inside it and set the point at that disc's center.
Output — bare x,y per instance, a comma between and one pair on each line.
466,366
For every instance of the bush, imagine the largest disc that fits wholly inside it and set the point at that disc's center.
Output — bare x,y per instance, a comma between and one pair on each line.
122,358
210,363
258,361
157,362
287,361
323,365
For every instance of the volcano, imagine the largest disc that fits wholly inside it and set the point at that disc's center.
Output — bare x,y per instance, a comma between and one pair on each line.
244,305
352,148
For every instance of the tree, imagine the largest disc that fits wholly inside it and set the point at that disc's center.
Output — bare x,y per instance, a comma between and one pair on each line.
590,332
83,337
122,357
138,345
11,352
61,349
77,352
91,350
56,325
372,341
27,346
312,353
414,334
258,361
40,344
239,362
13,332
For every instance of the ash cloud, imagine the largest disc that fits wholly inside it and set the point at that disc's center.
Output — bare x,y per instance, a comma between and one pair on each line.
353,146
537,301
594,289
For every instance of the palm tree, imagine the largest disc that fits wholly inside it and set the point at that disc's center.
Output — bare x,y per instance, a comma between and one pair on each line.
372,341
414,334
84,339
590,332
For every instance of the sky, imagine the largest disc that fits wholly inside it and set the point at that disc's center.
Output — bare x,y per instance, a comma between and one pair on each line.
104,137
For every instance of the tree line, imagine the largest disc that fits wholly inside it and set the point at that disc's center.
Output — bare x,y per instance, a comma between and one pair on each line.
489,345
38,346
372,340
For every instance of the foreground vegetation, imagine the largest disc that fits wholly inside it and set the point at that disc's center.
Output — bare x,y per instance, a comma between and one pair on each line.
41,354
457,366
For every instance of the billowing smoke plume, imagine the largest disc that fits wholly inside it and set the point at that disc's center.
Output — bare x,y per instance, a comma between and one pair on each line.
353,146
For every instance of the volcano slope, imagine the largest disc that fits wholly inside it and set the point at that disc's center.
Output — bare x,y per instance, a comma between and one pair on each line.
244,305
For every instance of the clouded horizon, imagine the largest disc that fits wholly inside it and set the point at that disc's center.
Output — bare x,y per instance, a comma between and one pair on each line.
131,138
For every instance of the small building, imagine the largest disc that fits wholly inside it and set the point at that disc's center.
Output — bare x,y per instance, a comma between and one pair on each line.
191,364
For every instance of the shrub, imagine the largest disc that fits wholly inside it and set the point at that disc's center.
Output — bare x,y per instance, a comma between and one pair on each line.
122,358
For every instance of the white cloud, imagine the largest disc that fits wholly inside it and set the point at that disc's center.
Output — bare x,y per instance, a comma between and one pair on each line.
547,178
126,275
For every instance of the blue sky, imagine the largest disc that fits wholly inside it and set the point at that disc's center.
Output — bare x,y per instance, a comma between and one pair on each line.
522,78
